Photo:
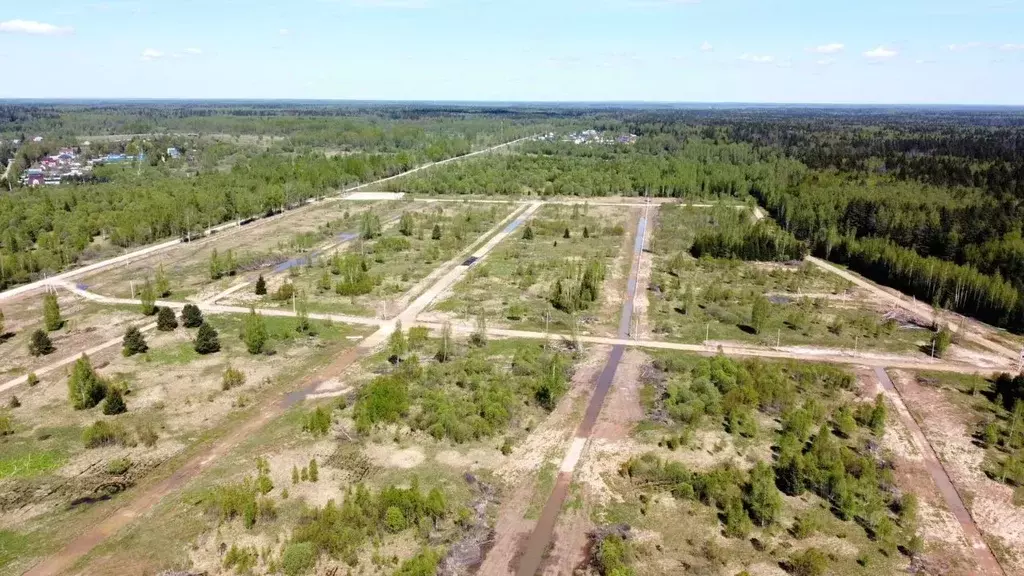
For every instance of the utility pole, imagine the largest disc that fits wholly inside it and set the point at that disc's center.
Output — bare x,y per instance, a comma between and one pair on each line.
133,288
707,333
293,303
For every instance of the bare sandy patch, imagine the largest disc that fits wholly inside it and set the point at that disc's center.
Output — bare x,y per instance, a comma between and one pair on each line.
393,457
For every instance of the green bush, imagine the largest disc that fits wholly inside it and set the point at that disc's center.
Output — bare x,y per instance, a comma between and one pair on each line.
317,422
810,562
85,388
51,312
133,342
298,558
118,466
191,317
40,344
207,340
232,378
424,563
165,320
103,433
114,402
6,424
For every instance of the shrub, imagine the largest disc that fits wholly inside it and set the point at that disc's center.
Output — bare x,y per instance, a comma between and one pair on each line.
318,422
147,299
85,388
14,403
207,340
261,286
254,332
528,233
162,283
424,563
435,234
284,292
6,425
394,520
232,378
147,434
32,379
941,342
242,560
613,556
118,466
51,312
811,562
165,320
103,433
191,317
134,343
298,558
314,473
114,402
40,344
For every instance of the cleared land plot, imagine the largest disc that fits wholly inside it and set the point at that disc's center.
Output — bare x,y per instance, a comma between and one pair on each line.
259,246
56,464
692,299
711,463
85,325
515,286
966,421
369,460
368,274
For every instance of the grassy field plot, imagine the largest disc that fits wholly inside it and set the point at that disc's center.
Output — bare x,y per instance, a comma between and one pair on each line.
976,426
382,263
259,246
84,434
691,299
395,471
562,266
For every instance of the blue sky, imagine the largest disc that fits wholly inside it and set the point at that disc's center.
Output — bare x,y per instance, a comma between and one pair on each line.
837,51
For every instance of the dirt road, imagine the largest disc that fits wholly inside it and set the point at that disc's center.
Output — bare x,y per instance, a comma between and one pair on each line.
919,309
987,561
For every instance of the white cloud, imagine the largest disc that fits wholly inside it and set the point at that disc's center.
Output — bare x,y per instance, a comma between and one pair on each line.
833,48
706,46
964,46
33,27
824,61
757,58
150,54
1012,47
284,32
881,53
193,51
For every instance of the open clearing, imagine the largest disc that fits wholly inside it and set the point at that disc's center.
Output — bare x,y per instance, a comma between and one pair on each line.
515,287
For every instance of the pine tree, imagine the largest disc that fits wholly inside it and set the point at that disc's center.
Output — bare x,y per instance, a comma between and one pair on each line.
40,344
314,473
165,320
85,388
737,523
528,233
114,403
586,232
191,317
566,234
207,340
479,336
302,314
134,343
877,420
370,225
436,233
295,474
147,299
51,312
254,332
163,284
261,286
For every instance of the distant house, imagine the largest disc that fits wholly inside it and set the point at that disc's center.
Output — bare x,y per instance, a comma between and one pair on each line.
35,177
37,139
173,152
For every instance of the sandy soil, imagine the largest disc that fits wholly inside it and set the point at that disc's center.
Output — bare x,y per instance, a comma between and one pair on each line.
988,501
545,444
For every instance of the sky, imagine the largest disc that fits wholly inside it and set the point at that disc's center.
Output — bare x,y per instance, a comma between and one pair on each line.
772,51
